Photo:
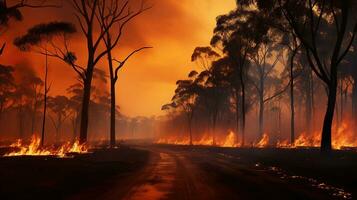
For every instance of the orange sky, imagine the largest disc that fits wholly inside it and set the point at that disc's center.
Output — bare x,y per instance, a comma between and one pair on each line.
174,28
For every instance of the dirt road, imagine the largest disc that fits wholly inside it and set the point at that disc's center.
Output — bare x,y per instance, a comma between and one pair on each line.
199,174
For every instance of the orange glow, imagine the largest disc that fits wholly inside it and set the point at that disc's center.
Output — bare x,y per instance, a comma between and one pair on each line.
173,28
229,141
342,137
34,149
264,142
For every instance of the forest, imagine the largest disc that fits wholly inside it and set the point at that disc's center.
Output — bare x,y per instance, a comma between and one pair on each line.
267,101
275,73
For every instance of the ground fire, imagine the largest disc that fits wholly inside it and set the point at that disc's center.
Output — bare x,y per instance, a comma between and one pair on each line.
167,99
34,148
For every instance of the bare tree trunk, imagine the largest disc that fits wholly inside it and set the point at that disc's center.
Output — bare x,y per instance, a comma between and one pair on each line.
308,102
312,101
214,120
341,101
190,126
44,104
261,116
292,105
331,103
83,132
243,104
112,114
237,100
354,102
112,97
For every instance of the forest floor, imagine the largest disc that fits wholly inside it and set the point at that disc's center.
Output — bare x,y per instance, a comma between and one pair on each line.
182,172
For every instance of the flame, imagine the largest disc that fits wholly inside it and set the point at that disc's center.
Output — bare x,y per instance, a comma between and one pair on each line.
229,141
342,137
283,144
35,149
264,142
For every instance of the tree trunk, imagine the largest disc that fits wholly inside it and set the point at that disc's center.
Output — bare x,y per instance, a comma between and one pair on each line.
190,126
243,104
237,100
354,102
44,104
331,103
261,116
341,101
308,101
214,119
85,108
292,108
112,114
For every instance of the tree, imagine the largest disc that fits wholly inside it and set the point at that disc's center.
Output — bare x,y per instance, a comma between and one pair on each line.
263,74
23,99
59,105
113,20
13,11
7,87
185,97
239,33
314,22
215,92
38,38
74,105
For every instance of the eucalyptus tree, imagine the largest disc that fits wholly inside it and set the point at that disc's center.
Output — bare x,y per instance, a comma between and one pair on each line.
185,98
114,29
7,87
59,105
40,39
239,34
306,20
13,10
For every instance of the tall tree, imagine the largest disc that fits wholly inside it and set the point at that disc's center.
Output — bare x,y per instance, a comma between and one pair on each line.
239,34
59,105
7,86
113,18
185,98
308,20
38,38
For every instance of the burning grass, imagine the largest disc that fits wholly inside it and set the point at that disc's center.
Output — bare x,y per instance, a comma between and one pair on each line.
343,137
34,149
230,140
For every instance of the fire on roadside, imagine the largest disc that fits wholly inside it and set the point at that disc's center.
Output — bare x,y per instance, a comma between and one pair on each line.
34,148
342,137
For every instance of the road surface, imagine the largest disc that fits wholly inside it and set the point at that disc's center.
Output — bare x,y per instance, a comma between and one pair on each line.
198,174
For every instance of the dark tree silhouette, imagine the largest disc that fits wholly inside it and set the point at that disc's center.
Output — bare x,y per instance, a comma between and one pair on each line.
7,87
239,33
59,105
306,19
185,98
23,99
109,11
38,38
75,100
13,11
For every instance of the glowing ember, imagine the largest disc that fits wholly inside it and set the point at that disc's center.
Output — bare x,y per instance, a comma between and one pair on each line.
34,149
